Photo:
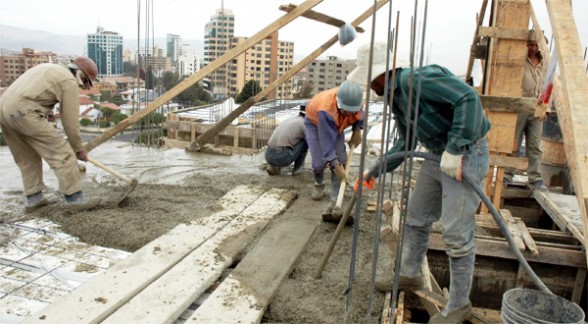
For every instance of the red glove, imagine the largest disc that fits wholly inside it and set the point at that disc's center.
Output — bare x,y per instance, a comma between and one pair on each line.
368,182
81,155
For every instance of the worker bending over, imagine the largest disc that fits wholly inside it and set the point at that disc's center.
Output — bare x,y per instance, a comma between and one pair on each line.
328,114
23,120
452,125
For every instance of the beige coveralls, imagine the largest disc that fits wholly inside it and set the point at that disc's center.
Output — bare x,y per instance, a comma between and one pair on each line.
23,110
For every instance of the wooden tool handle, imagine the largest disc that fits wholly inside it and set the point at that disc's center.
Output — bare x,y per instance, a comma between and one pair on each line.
109,170
344,184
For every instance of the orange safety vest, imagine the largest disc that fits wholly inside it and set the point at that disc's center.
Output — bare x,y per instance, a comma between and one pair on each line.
327,101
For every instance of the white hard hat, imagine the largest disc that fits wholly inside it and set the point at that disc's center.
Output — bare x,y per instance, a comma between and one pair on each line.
360,73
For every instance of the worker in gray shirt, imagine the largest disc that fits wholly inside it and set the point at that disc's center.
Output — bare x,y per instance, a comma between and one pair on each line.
287,145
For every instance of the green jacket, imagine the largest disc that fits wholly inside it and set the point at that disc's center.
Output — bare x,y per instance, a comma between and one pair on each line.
450,114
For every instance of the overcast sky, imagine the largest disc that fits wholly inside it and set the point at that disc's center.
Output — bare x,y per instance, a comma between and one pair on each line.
449,27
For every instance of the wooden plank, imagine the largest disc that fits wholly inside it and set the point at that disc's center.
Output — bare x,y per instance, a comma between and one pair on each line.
501,136
400,308
508,104
499,248
174,291
573,104
527,238
386,309
243,296
317,16
513,228
96,299
563,210
504,33
197,76
219,126
579,286
519,163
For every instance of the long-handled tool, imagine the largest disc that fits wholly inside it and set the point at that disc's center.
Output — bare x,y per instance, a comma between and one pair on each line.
131,181
337,210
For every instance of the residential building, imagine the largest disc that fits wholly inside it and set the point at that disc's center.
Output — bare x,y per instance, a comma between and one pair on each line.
329,73
106,49
218,34
152,59
264,62
14,64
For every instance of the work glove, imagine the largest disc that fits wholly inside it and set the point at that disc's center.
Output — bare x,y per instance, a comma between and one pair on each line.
81,155
451,165
541,110
355,139
368,182
340,173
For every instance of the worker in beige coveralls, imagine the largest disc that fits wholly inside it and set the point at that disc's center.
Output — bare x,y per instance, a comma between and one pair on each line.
23,119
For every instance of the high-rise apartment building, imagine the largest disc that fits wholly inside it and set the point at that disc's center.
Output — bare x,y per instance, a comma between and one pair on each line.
174,47
106,49
14,64
218,35
264,62
329,73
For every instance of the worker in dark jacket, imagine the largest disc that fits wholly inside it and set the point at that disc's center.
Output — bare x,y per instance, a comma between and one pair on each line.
24,107
451,124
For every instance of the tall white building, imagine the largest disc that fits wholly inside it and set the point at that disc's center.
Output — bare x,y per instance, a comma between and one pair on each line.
106,49
188,62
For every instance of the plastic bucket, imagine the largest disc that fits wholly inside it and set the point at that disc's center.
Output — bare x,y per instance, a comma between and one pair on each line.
520,306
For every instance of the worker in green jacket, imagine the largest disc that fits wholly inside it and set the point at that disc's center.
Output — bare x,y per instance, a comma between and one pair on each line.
450,123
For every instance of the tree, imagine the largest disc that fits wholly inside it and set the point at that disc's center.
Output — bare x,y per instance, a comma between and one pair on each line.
306,91
107,112
250,89
169,80
117,117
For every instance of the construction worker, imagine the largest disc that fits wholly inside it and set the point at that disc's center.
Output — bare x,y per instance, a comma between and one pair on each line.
452,125
287,145
24,107
528,124
328,114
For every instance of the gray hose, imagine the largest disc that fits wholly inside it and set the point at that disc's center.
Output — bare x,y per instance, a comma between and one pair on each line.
472,183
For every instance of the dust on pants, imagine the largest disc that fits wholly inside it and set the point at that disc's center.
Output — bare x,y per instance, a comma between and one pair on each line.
30,137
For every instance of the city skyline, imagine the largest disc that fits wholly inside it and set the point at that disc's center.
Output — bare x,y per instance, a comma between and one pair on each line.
450,25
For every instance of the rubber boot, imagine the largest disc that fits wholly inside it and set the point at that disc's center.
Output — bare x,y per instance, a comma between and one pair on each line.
318,190
414,249
458,306
77,201
35,201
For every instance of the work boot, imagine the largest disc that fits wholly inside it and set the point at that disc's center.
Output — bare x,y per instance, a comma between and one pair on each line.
77,202
461,271
273,170
318,191
35,201
538,185
414,249
404,283
456,316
